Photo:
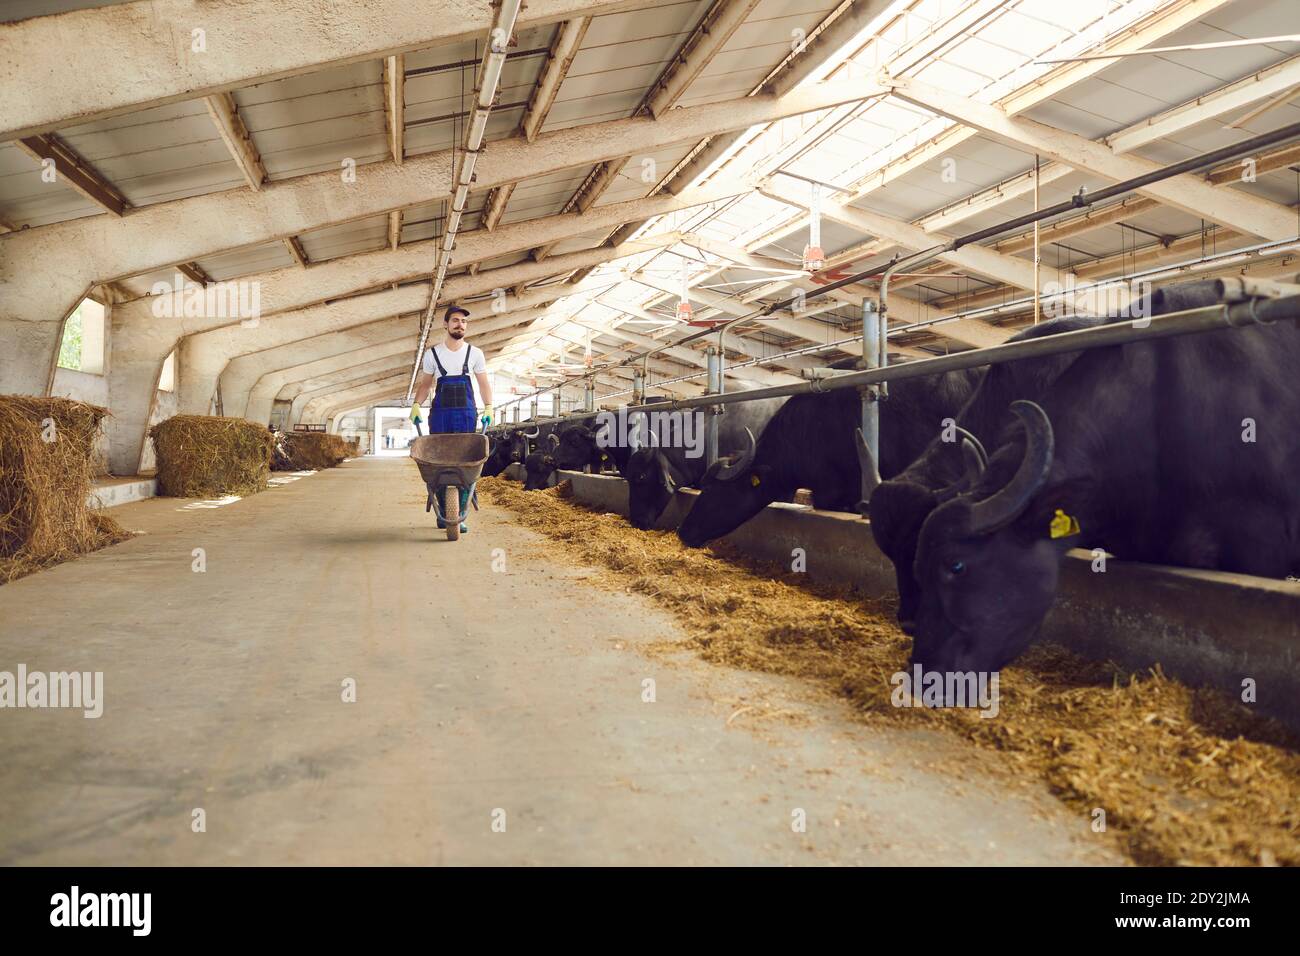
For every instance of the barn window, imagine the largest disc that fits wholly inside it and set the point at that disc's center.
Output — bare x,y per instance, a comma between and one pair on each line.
82,347
167,380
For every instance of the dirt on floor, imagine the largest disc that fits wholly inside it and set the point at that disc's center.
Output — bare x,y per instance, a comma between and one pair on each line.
1183,776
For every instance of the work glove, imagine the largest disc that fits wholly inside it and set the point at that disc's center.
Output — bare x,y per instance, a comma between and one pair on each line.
486,419
415,412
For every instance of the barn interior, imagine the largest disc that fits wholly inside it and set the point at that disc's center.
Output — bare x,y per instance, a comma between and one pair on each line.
252,218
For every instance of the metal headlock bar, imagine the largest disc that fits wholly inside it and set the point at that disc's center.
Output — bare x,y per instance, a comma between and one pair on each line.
1080,200
1240,308
1239,305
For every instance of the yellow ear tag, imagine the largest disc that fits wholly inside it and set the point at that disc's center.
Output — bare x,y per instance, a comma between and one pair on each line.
604,457
753,480
1064,525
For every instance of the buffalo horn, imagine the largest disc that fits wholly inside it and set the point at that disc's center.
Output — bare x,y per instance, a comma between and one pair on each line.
867,462
736,465
667,470
1003,506
972,455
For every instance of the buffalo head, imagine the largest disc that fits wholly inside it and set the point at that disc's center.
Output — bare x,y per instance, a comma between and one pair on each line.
575,447
539,467
898,508
986,566
732,491
651,483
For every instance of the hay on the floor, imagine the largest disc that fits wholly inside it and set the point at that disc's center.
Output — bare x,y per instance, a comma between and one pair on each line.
206,456
310,451
46,466
1186,776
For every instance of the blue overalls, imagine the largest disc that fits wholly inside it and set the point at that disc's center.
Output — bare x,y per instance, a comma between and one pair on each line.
453,410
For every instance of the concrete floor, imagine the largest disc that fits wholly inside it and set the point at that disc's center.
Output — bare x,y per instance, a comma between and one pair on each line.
477,692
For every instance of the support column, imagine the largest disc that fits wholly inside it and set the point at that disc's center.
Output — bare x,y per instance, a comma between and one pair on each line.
873,356
714,387
38,296
134,366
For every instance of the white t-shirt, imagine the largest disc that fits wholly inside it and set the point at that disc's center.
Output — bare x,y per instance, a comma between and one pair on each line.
453,362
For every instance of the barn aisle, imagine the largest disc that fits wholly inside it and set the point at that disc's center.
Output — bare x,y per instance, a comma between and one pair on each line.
482,696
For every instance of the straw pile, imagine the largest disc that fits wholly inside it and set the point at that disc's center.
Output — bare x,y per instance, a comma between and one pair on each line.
46,466
1185,776
205,456
310,451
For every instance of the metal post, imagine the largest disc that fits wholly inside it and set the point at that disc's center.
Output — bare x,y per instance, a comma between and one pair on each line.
714,387
589,395
872,351
638,386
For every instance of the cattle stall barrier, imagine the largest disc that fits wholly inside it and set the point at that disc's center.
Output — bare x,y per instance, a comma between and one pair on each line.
875,321
1206,628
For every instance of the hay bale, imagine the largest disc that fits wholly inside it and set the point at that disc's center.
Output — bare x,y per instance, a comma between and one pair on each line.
312,451
339,449
47,454
202,456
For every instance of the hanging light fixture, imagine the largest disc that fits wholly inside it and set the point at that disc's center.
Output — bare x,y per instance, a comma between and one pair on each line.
684,312
814,257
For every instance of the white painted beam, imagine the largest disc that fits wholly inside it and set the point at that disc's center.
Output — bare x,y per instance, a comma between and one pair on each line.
394,79
1237,95
239,143
1192,194
978,259
82,253
133,56
568,40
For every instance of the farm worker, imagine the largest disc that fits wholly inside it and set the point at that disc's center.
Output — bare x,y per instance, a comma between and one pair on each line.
447,367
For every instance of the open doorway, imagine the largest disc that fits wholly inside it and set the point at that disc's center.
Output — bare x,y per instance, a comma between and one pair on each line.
394,430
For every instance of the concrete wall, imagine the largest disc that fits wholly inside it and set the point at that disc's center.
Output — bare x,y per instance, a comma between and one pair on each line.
164,407
85,387
358,426
1208,628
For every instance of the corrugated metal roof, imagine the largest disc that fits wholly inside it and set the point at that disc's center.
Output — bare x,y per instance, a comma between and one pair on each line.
984,49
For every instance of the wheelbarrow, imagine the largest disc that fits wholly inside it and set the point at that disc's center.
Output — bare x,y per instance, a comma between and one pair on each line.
449,462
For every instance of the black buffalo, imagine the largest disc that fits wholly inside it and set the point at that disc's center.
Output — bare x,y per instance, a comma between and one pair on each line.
503,452
538,453
539,466
898,507
654,473
580,445
1175,451
811,443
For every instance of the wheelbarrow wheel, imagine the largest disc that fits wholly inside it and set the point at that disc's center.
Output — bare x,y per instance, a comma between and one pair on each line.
451,511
